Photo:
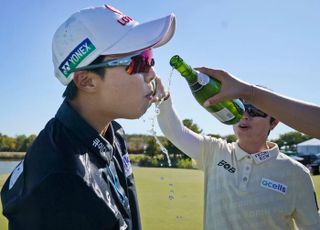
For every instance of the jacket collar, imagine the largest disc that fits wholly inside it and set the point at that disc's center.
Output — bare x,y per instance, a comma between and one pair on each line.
72,120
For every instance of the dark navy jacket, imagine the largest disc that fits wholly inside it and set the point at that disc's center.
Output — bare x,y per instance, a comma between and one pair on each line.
64,182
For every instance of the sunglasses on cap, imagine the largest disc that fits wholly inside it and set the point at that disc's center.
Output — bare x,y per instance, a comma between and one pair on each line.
136,63
253,111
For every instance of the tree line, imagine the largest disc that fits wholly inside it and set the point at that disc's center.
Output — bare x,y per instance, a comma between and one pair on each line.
146,144
20,143
153,156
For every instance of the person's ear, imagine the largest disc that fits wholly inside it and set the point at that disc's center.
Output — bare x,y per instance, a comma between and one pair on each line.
85,81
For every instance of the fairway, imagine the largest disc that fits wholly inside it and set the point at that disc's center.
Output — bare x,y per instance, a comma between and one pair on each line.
168,198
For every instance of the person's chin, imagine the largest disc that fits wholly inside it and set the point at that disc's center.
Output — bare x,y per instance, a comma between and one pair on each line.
144,110
146,106
138,113
243,135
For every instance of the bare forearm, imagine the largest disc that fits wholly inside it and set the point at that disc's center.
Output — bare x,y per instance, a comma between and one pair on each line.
299,115
302,116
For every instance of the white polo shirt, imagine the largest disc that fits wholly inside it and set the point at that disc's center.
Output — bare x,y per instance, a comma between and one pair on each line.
266,190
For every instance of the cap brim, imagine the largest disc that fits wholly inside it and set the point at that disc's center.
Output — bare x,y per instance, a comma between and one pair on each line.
145,35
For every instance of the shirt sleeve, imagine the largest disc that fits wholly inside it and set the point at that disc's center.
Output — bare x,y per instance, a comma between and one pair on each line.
172,127
306,215
199,147
210,148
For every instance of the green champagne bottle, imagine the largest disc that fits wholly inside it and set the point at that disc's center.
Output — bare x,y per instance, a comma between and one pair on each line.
203,87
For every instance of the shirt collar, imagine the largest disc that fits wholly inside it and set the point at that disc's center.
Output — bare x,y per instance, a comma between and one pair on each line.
109,135
259,157
84,132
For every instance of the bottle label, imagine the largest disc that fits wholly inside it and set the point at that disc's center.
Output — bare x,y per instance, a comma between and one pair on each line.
202,80
195,87
223,115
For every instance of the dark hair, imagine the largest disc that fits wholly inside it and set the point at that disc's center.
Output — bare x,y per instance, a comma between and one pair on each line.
71,91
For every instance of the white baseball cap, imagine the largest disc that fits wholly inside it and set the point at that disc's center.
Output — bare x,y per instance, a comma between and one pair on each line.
104,30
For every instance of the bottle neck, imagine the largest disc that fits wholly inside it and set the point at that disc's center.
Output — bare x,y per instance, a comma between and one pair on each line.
188,73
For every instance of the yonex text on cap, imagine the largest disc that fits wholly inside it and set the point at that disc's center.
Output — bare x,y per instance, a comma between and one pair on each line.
104,30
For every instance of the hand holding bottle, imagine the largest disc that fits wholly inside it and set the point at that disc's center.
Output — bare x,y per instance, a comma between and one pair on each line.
231,87
285,109
202,88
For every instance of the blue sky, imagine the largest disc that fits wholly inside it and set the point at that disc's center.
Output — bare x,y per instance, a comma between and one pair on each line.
272,43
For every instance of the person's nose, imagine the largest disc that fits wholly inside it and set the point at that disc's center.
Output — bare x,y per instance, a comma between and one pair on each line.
151,75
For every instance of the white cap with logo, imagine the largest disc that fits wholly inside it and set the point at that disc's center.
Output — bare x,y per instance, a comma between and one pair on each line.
104,30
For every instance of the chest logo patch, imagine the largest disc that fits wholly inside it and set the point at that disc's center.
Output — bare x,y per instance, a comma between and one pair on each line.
274,186
262,156
127,164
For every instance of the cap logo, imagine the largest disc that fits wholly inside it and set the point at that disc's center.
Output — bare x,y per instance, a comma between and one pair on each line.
124,20
76,56
113,9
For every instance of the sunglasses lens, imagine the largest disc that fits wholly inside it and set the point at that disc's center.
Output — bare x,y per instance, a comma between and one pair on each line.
141,63
253,111
129,68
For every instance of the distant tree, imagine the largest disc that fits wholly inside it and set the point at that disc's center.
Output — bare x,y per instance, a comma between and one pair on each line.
28,142
173,150
290,140
7,144
192,126
230,138
152,148
136,143
215,135
19,143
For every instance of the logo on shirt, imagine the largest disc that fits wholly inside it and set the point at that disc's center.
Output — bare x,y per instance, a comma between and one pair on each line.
127,164
273,185
227,166
99,145
262,156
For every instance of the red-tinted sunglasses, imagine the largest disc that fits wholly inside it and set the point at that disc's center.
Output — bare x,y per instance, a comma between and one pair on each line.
136,63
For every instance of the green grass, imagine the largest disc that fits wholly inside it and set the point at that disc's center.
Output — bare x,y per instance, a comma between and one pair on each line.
316,182
3,220
168,198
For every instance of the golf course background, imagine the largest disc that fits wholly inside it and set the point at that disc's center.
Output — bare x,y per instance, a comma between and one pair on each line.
168,198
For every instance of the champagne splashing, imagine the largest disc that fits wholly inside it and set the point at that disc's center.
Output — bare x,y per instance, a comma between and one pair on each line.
152,131
170,79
